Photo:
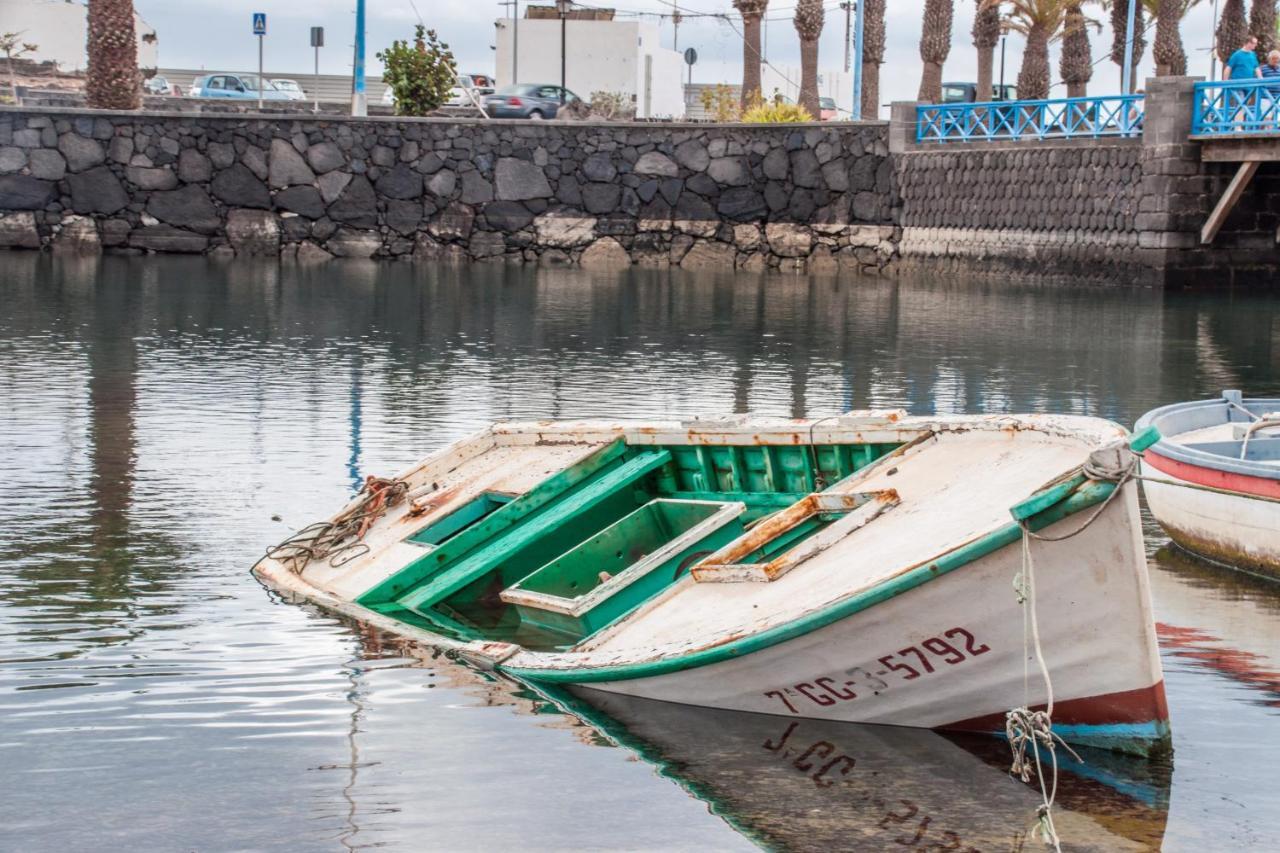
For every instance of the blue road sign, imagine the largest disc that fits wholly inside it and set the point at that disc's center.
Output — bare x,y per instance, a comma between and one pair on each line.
259,23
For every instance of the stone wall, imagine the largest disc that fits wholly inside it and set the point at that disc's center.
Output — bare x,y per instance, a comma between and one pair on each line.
1063,208
799,197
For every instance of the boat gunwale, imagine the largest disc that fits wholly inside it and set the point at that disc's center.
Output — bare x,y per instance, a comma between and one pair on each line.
1087,430
1170,448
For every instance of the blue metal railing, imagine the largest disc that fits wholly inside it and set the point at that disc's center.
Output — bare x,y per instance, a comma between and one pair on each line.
1063,118
1237,106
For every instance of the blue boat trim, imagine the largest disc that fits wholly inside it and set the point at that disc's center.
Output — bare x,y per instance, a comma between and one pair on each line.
1178,418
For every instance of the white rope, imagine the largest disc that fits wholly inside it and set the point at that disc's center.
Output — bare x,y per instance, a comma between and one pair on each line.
1027,729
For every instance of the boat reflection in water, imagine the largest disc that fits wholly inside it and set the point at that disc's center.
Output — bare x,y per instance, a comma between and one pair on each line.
798,784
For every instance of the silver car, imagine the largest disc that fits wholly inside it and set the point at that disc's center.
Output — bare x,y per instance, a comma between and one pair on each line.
528,100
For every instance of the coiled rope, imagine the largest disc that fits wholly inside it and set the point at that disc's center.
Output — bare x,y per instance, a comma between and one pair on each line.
340,541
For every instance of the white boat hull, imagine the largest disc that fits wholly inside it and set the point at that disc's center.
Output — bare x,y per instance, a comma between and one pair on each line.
1238,530
1094,609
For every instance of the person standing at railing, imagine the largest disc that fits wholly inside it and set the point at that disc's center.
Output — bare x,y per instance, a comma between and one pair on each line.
1243,64
1271,71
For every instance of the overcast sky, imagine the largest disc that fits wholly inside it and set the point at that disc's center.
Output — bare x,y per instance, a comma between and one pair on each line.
216,34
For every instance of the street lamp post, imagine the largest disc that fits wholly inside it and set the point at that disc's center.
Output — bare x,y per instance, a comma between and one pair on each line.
562,6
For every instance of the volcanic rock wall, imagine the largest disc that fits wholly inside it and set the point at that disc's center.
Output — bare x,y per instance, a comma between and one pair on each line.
800,197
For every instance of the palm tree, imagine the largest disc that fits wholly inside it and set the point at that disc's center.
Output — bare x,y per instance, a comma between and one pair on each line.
935,44
1262,23
1076,63
872,57
1119,29
1232,29
752,12
1043,21
113,81
986,35
808,21
1171,58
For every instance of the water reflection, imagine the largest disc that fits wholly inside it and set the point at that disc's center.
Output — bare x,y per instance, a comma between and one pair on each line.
809,785
159,411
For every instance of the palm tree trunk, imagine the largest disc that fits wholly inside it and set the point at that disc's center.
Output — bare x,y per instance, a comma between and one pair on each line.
750,61
809,78
1262,23
112,81
809,19
1171,59
935,44
986,35
1033,76
1232,29
872,57
1076,63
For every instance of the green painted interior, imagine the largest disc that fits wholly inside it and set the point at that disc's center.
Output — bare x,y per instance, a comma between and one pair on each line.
619,546
554,535
460,519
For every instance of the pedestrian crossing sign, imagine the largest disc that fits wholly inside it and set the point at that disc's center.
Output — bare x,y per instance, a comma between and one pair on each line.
259,23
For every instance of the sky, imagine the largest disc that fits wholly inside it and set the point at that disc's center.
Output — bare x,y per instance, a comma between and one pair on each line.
216,34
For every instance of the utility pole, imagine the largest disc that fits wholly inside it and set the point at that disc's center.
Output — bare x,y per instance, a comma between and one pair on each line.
676,18
848,9
1126,85
359,104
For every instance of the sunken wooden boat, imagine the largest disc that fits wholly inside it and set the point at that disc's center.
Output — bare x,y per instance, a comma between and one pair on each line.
1228,452
851,568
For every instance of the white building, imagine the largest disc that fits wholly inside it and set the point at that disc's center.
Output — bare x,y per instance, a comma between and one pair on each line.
60,30
600,56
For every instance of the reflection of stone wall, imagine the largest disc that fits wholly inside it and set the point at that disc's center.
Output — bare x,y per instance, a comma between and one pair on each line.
803,197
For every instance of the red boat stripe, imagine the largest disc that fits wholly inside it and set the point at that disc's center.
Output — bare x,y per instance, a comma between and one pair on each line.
1213,477
1145,705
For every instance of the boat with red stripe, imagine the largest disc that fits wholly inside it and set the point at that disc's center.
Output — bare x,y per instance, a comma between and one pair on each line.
1213,479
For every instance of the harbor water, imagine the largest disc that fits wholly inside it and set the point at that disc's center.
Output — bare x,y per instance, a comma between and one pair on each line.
165,419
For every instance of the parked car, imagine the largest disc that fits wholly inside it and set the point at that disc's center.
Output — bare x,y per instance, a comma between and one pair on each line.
242,86
157,86
291,89
528,100
967,93
458,96
827,109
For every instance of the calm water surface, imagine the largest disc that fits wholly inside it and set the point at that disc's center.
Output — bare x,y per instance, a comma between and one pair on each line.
157,413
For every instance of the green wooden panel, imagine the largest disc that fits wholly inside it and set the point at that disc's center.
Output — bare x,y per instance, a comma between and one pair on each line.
647,529
460,519
493,553
503,519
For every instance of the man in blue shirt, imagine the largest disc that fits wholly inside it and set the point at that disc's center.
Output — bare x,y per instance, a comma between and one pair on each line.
1243,64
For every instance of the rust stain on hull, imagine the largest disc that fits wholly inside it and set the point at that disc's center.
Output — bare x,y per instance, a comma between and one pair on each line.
1225,553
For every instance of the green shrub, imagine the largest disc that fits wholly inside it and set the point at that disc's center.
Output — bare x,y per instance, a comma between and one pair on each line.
420,74
721,103
776,113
